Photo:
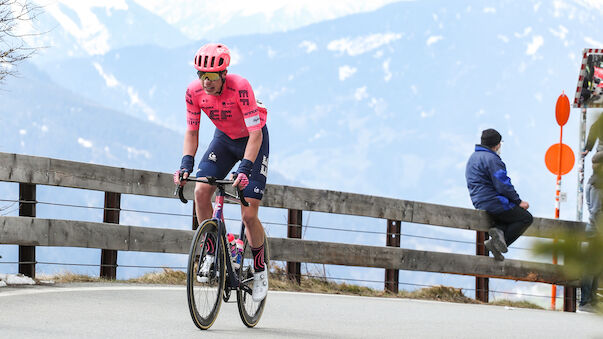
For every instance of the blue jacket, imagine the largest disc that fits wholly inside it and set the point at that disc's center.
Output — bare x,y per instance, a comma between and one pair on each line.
489,186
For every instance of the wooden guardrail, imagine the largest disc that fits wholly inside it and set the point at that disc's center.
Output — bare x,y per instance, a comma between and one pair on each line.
31,231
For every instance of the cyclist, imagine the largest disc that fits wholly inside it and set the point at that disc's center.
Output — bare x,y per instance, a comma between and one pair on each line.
241,134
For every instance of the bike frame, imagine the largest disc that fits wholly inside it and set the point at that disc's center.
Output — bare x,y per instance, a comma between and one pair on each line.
218,217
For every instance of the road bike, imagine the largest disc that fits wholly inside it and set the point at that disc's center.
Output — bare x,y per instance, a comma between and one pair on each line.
206,290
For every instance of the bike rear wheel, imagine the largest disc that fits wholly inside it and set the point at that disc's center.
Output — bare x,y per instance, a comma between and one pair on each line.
205,298
249,310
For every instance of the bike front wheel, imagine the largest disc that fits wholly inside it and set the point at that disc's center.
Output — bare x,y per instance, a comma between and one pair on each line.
249,310
205,289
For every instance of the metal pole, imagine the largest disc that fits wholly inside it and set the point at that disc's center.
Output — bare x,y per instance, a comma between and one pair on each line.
294,230
582,134
108,268
557,209
392,239
27,254
482,284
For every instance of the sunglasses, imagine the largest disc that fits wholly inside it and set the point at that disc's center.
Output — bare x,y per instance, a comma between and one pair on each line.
211,76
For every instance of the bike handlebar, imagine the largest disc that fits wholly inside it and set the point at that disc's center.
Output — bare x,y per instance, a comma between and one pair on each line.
214,182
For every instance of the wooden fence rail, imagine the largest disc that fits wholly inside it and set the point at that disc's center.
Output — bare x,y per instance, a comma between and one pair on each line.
53,172
114,181
52,232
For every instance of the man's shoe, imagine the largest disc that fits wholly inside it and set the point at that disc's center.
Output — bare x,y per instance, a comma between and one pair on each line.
499,239
588,308
260,286
203,275
490,246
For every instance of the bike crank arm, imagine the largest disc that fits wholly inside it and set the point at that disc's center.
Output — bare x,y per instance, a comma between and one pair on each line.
246,289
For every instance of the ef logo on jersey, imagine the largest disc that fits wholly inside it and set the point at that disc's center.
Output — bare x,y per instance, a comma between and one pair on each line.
216,114
244,97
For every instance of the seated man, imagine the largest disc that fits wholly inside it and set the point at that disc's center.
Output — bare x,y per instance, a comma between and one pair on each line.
491,190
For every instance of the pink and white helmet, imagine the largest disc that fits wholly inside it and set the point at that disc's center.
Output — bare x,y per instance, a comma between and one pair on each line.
212,58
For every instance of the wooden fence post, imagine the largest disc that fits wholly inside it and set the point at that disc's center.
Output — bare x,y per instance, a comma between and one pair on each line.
482,287
569,292
108,269
392,239
27,254
294,230
569,299
195,221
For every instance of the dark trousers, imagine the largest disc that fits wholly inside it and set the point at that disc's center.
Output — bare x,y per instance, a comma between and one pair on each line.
512,222
590,282
588,290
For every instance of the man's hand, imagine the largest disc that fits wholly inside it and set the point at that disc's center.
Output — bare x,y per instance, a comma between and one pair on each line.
585,153
177,180
524,205
241,181
241,176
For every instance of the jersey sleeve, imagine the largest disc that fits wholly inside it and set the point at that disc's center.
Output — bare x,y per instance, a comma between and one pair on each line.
248,106
502,182
193,112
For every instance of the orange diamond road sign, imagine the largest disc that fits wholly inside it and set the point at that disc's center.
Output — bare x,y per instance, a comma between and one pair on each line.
559,159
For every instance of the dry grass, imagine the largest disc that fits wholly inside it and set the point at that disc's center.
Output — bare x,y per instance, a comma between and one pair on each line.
167,277
516,304
68,277
280,282
443,293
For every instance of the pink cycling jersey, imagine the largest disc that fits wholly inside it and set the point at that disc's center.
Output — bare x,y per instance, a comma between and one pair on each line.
234,112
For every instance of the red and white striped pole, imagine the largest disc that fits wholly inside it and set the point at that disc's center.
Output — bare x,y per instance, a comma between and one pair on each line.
559,160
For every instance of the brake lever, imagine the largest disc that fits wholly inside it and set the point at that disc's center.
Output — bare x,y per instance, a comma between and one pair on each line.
239,192
241,197
180,191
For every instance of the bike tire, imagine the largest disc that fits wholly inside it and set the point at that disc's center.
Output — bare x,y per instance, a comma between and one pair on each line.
205,299
249,310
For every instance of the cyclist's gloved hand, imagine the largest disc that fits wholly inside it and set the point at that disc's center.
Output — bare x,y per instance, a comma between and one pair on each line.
242,174
186,167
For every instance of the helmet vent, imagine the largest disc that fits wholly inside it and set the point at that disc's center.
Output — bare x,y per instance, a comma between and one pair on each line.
221,61
205,61
212,61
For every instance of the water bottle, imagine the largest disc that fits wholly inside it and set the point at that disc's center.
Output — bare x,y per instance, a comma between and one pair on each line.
232,246
239,248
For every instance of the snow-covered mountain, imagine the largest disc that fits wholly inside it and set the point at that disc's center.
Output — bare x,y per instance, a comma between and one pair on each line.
201,20
66,28
402,96
388,102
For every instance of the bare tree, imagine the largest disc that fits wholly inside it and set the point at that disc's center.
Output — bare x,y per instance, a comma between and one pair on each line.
13,48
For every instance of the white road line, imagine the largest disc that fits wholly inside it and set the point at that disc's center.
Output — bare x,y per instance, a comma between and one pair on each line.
80,289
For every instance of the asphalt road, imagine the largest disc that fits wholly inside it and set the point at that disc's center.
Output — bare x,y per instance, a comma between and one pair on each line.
135,311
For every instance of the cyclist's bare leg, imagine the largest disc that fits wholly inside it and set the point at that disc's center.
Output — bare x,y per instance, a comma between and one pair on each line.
203,207
253,227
